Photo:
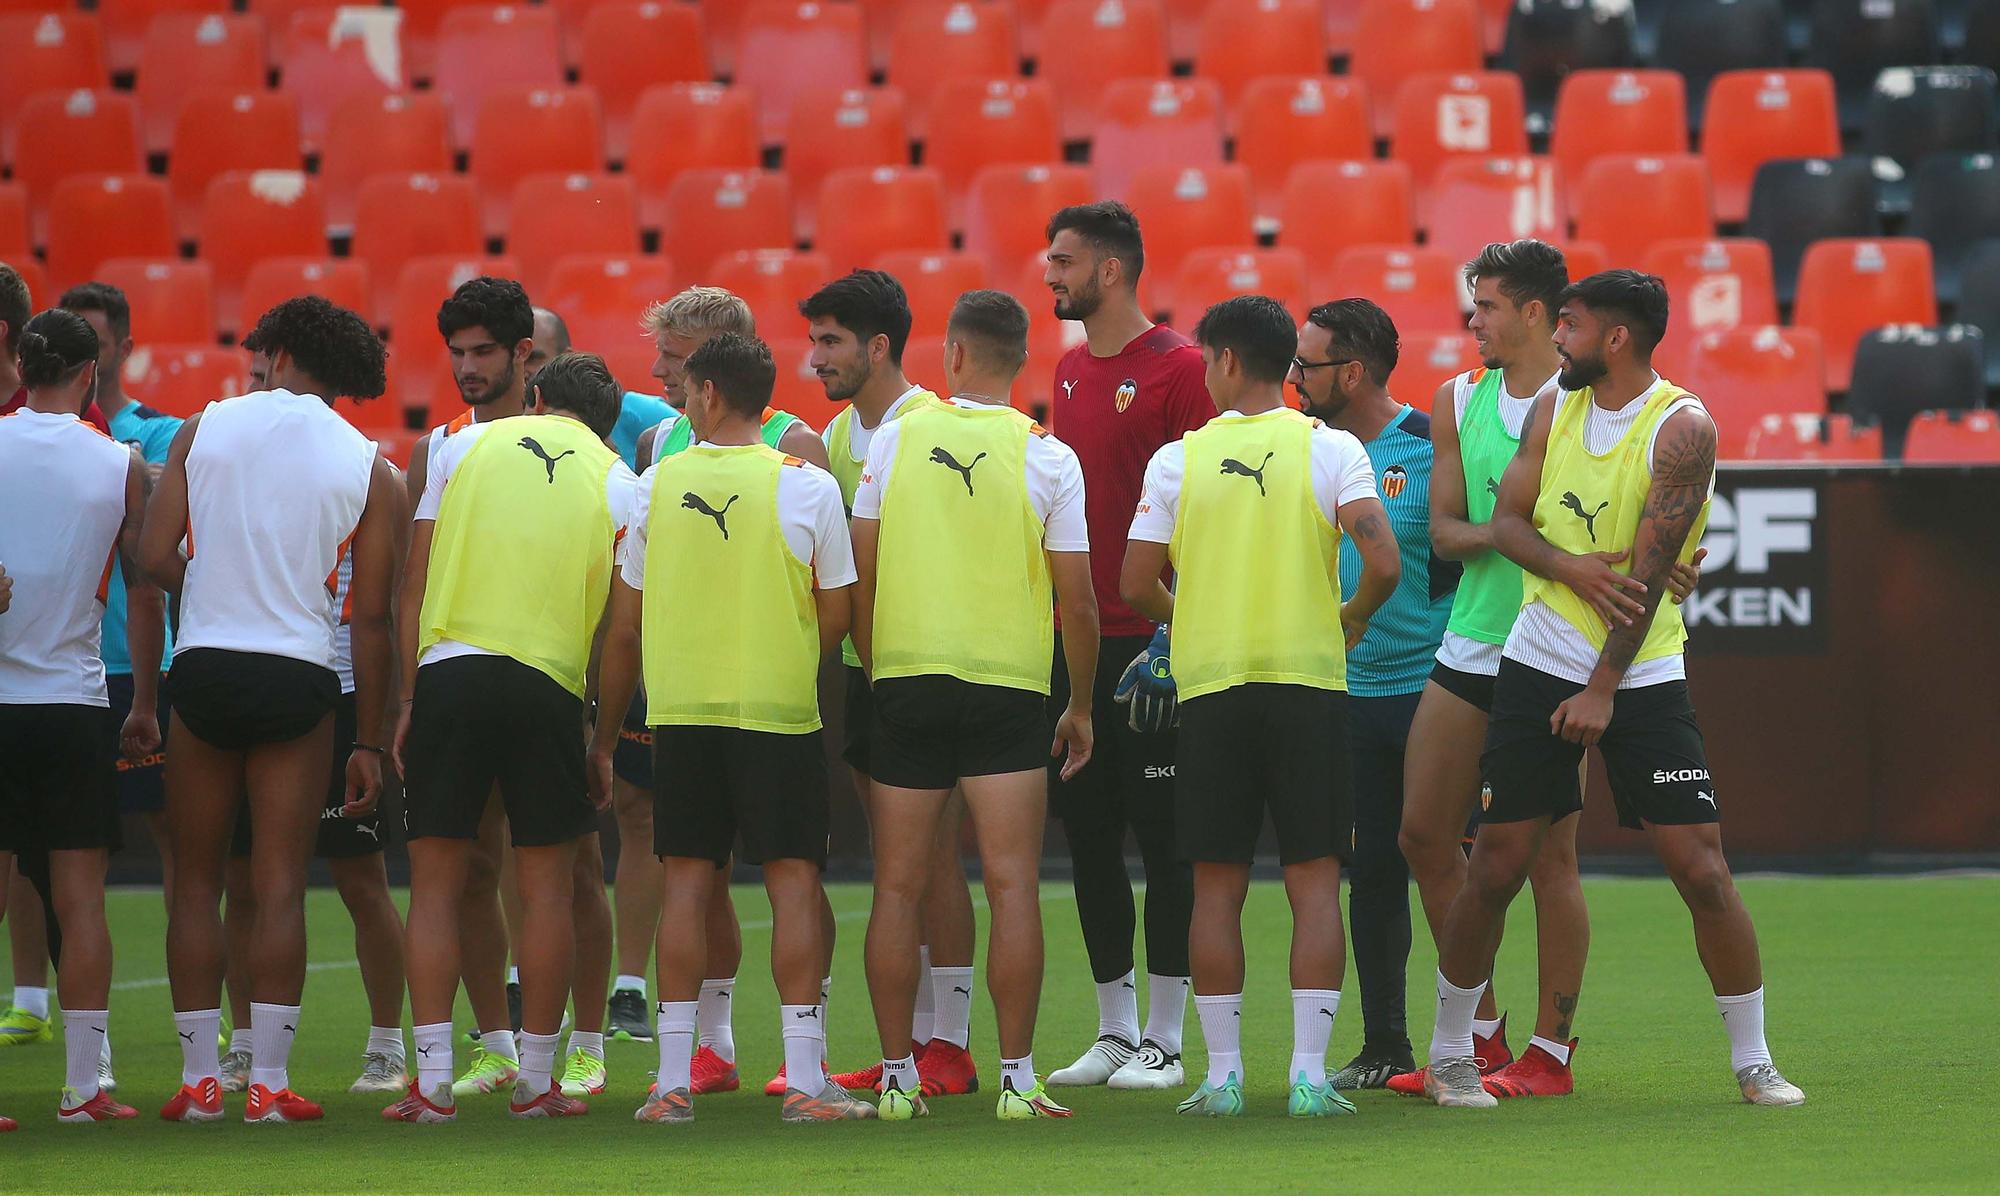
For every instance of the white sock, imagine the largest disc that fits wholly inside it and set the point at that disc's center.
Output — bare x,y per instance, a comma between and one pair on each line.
83,1047
717,1032
903,1071
32,999
105,1055
953,987
1559,1051
1118,1008
825,991
589,1044
923,1027
239,1040
1020,1073
805,1044
513,975
385,1040
1451,1034
433,1057
272,1028
538,1062
1166,1010
629,984
1487,1028
676,1037
501,1043
197,1029
1743,1017
1221,1017
1313,1011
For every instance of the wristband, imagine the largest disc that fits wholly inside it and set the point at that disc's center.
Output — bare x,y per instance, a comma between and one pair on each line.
369,747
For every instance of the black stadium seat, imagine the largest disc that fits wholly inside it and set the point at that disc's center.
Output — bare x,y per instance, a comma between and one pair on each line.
1916,113
1981,46
1547,39
1857,41
1979,300
1903,369
1957,204
1797,201
1703,38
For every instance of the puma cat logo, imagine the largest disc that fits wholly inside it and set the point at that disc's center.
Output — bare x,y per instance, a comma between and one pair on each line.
695,502
949,462
370,829
1575,506
528,442
811,1013
1232,465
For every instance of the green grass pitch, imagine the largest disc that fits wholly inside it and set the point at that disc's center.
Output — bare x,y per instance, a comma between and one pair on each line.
1880,1007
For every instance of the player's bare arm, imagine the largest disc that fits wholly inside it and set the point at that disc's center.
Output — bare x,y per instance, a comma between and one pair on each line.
374,577
867,535
836,615
802,442
1077,602
145,620
409,614
1610,593
1453,536
617,681
1139,581
159,553
642,452
1367,523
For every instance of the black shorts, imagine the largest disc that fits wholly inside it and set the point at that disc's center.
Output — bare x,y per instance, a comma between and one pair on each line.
339,837
721,787
858,730
931,732
483,720
1133,771
142,787
57,789
1261,746
240,700
1652,751
632,759
1476,688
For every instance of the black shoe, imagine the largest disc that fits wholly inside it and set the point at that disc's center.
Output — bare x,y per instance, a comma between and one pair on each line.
628,1017
1373,1067
514,1006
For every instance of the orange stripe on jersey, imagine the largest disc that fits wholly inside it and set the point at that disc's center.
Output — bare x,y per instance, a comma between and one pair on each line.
1474,374
795,462
1037,429
333,581
460,422
190,534
104,582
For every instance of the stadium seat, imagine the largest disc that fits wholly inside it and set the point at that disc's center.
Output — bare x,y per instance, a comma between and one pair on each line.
1377,206
933,44
601,296
1088,44
1428,360
1813,439
14,240
34,276
933,281
1630,201
1957,205
399,216
1033,14
95,217
1917,112
1182,209
1437,116
524,132
1903,369
332,56
46,51
183,379
1584,258
1421,289
1758,116
249,215
1281,122
832,130
1716,285
630,45
1849,286
798,388
486,49
1953,438
67,133
976,124
1981,43
1208,276
1142,122
1007,211
1857,41
1979,300
369,135
866,212
557,214
128,22
275,279
707,213
1398,40
219,131
1548,39
1747,373
772,282
794,46
1797,201
1709,37
173,301
687,126
1475,201
1616,112
184,51
1238,43
418,363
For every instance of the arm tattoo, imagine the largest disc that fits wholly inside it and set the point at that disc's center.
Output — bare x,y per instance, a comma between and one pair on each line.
1684,464
1368,527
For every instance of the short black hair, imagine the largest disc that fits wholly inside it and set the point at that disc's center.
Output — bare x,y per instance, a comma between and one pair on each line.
55,344
868,303
1524,270
1258,329
1629,297
1363,331
16,305
1109,227
994,327
335,347
100,297
582,385
741,368
499,305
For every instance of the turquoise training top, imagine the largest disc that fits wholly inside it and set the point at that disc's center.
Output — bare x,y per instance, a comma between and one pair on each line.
1396,655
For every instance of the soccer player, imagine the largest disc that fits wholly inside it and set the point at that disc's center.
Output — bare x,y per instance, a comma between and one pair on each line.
1251,510
1132,387
957,560
75,500
1347,350
510,563
267,491
679,326
16,305
637,411
1610,488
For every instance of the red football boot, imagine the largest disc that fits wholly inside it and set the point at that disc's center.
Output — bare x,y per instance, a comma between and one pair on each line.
549,1104
709,1072
195,1102
100,1107
8,1125
1535,1073
1410,1083
945,1069
1492,1053
281,1106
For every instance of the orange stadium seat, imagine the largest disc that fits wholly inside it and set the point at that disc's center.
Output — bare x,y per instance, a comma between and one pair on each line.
832,129
867,212
1343,17
332,56
934,43
35,277
1475,201
687,126
1754,117
1033,15
49,51
1438,116
275,279
1629,201
1955,438
1208,276
1142,122
1182,209
794,46
707,213
1428,360
1283,121
183,379
1813,439
602,295
96,217
933,281
14,239
1584,258
184,51
631,45
127,23
400,216
977,123
484,49
798,389
771,281
1716,285
1088,44
1376,202
419,368
1237,43
400,133
1616,112
519,133
1421,289
1849,286
1398,40
173,301
556,214
67,133
249,215
221,130
1008,210
1744,374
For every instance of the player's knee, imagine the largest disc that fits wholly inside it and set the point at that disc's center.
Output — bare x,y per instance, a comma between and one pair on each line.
1704,882
1497,874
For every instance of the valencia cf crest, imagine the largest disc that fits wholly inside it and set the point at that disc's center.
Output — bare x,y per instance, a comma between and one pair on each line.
1394,479
1128,390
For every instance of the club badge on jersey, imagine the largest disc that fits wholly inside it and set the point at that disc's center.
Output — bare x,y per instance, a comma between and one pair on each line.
1394,479
1128,393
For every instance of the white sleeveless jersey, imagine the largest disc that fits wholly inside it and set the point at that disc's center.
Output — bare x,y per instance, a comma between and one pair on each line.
276,486
62,491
